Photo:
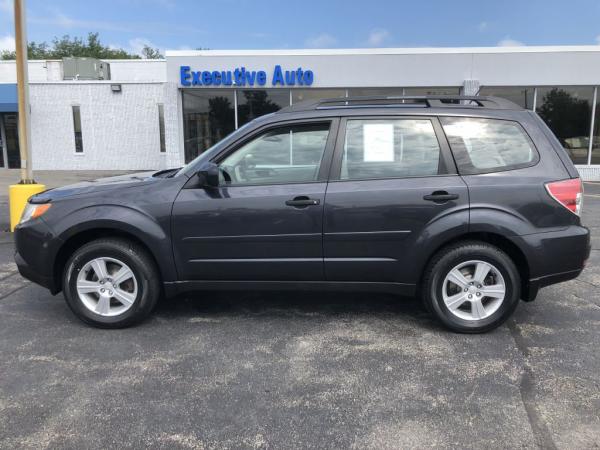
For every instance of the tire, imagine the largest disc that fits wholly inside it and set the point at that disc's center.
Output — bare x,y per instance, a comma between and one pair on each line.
129,300
471,310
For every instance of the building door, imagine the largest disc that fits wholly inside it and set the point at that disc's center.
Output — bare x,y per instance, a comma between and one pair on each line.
9,141
3,154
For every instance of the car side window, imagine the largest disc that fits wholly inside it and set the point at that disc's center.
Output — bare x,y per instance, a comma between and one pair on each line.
488,145
290,154
389,148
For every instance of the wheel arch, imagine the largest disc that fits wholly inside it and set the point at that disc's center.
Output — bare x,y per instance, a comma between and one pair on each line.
509,247
82,237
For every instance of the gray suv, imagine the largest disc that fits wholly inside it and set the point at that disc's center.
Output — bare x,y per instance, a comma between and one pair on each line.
469,203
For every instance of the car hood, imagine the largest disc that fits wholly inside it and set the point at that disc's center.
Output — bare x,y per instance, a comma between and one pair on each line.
93,186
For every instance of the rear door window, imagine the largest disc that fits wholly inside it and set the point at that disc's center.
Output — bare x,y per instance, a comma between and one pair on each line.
488,145
389,148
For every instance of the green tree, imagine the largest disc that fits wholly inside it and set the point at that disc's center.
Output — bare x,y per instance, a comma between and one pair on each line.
67,46
151,53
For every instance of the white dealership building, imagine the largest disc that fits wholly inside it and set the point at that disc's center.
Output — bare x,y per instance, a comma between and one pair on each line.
147,114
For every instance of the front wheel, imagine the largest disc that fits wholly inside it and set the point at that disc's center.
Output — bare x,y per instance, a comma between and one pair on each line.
111,283
471,287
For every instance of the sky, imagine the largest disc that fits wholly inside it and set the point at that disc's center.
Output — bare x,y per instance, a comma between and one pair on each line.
285,24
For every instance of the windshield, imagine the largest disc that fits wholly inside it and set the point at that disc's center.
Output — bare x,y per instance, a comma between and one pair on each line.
189,168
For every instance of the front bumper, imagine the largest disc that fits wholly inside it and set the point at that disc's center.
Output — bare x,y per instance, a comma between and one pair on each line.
28,272
35,253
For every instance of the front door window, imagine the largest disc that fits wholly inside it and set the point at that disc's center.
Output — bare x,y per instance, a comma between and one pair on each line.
290,154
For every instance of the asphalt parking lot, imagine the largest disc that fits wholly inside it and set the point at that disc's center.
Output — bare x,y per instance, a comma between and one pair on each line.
296,370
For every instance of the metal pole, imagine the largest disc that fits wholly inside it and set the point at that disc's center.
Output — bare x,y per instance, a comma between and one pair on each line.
23,92
591,143
235,108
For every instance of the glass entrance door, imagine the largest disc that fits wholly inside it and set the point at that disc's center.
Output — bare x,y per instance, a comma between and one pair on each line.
3,155
9,141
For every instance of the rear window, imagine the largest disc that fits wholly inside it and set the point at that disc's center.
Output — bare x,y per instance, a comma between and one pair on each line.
488,145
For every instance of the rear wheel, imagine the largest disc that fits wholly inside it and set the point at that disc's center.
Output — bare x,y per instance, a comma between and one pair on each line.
471,287
111,283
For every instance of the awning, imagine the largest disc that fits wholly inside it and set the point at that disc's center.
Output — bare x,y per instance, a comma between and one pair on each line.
8,98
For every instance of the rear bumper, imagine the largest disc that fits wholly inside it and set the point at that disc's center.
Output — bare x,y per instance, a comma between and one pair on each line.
535,284
555,256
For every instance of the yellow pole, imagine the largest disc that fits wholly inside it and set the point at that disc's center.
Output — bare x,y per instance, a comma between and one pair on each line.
18,194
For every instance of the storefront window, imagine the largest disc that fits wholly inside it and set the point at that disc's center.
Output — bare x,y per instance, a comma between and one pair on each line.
301,95
568,113
448,90
208,116
521,95
255,103
364,92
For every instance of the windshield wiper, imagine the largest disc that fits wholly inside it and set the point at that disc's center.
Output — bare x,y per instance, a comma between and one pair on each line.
166,173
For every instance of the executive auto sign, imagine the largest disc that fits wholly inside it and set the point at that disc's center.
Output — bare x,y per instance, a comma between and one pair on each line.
242,77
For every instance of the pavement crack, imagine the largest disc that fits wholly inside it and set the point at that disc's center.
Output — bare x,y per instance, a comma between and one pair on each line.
541,433
585,300
14,290
587,282
11,274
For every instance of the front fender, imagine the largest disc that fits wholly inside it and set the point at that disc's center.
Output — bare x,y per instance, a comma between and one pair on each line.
135,222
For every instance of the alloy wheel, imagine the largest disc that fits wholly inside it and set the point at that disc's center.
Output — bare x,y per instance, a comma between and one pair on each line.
473,290
107,286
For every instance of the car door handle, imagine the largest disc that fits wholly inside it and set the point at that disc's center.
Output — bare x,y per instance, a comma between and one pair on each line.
302,201
440,197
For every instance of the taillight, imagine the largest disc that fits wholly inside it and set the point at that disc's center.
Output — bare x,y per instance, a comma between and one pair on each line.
568,193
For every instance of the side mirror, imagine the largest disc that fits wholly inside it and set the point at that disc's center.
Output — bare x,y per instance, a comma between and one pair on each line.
208,175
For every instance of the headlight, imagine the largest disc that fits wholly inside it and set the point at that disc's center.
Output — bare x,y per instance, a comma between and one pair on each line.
33,210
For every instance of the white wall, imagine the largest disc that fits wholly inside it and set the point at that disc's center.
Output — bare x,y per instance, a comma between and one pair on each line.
137,69
120,131
494,66
121,70
37,71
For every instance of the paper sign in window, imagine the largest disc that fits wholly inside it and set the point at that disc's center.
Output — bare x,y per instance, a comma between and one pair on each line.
378,139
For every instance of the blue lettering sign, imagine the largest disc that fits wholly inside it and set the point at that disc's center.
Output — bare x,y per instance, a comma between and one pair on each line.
196,78
184,75
309,77
261,77
277,76
226,78
290,78
242,77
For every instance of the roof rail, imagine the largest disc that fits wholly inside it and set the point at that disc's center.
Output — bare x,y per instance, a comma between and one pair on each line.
405,101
